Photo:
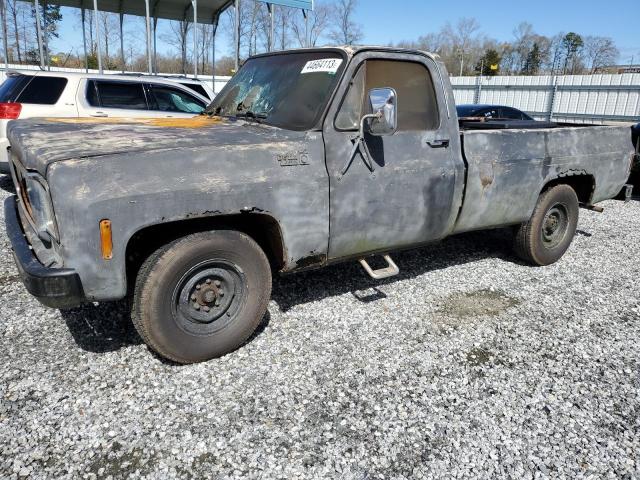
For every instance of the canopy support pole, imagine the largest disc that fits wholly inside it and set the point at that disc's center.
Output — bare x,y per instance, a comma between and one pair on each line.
236,32
36,5
148,23
214,24
97,20
194,7
5,39
155,44
307,40
122,59
122,37
271,7
84,40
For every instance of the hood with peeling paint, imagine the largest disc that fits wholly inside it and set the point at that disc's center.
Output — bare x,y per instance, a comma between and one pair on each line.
38,142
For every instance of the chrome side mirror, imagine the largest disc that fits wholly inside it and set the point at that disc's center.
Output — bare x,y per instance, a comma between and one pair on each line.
384,105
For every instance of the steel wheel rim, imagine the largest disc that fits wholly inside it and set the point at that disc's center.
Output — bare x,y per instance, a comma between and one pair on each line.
555,226
208,297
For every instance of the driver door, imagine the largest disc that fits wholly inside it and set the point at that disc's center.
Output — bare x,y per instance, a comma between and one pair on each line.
408,196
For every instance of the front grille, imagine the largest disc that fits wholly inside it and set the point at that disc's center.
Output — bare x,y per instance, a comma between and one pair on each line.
18,172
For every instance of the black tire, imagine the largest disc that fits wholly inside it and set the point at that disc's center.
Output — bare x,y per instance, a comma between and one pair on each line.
202,296
547,235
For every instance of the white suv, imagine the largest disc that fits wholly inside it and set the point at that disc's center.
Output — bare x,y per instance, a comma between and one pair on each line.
27,94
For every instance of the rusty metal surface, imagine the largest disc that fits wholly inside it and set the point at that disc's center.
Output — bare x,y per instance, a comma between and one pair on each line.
414,192
507,169
139,173
172,174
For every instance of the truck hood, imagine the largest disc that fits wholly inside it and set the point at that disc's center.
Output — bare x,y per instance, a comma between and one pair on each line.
40,142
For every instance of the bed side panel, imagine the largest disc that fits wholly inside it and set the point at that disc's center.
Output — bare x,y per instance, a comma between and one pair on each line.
507,169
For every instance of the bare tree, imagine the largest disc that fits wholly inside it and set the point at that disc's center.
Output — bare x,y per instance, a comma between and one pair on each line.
462,37
178,37
524,39
346,31
109,31
600,52
249,13
282,21
205,36
13,10
312,29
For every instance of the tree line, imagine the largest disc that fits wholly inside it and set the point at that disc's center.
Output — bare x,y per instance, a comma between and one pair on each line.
462,45
467,51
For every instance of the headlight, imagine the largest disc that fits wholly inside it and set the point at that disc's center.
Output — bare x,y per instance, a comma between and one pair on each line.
40,207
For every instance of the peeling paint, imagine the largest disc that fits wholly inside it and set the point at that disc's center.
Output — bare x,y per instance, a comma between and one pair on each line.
200,121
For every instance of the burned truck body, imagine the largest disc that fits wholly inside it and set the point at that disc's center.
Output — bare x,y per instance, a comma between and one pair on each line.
306,158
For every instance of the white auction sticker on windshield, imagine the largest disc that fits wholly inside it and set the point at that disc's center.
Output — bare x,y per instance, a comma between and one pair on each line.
326,65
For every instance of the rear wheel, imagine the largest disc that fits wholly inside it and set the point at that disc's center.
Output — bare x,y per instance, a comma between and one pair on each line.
547,235
202,296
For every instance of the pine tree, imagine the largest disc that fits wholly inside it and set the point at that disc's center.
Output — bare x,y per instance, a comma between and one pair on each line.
489,64
533,61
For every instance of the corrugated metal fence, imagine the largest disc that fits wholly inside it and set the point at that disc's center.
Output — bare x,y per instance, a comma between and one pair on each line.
570,98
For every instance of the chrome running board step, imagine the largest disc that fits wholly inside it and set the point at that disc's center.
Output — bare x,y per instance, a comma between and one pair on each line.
391,270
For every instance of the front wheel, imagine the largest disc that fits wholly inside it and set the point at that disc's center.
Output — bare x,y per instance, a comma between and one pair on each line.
202,296
547,235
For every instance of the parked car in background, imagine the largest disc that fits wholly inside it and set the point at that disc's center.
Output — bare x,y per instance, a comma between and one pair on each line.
497,112
195,84
27,94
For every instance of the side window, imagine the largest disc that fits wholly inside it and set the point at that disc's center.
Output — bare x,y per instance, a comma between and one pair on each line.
92,94
43,90
417,104
128,95
169,99
12,86
511,114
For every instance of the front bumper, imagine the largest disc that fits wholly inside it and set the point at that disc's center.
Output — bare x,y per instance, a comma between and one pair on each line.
53,287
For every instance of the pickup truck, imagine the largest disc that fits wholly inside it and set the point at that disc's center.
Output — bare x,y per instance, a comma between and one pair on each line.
305,159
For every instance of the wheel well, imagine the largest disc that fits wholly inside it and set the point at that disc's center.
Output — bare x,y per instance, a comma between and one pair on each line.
264,229
583,185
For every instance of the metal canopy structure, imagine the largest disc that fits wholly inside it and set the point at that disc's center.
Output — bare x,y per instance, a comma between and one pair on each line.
163,9
205,12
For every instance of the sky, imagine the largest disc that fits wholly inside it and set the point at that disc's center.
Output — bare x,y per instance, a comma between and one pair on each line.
386,21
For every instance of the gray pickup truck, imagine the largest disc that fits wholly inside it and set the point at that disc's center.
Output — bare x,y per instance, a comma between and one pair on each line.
305,159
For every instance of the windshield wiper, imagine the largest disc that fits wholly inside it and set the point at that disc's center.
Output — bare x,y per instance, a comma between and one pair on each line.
255,116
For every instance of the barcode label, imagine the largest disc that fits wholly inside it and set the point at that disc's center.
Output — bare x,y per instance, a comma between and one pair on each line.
326,65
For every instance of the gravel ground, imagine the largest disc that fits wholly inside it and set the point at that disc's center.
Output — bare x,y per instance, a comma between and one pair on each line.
469,364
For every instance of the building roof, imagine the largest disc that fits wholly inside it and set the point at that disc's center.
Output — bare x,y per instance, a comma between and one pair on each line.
163,9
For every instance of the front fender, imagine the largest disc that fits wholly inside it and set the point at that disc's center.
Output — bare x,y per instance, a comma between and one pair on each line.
152,188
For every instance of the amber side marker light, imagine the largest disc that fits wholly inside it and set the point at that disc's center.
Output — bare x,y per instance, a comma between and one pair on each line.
106,241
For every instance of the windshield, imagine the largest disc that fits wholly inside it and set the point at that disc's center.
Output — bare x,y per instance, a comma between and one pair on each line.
288,91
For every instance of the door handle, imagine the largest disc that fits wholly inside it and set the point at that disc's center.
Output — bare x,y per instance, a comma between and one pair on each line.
440,143
100,114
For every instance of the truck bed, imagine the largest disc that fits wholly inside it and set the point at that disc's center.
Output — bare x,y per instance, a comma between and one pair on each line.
508,168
